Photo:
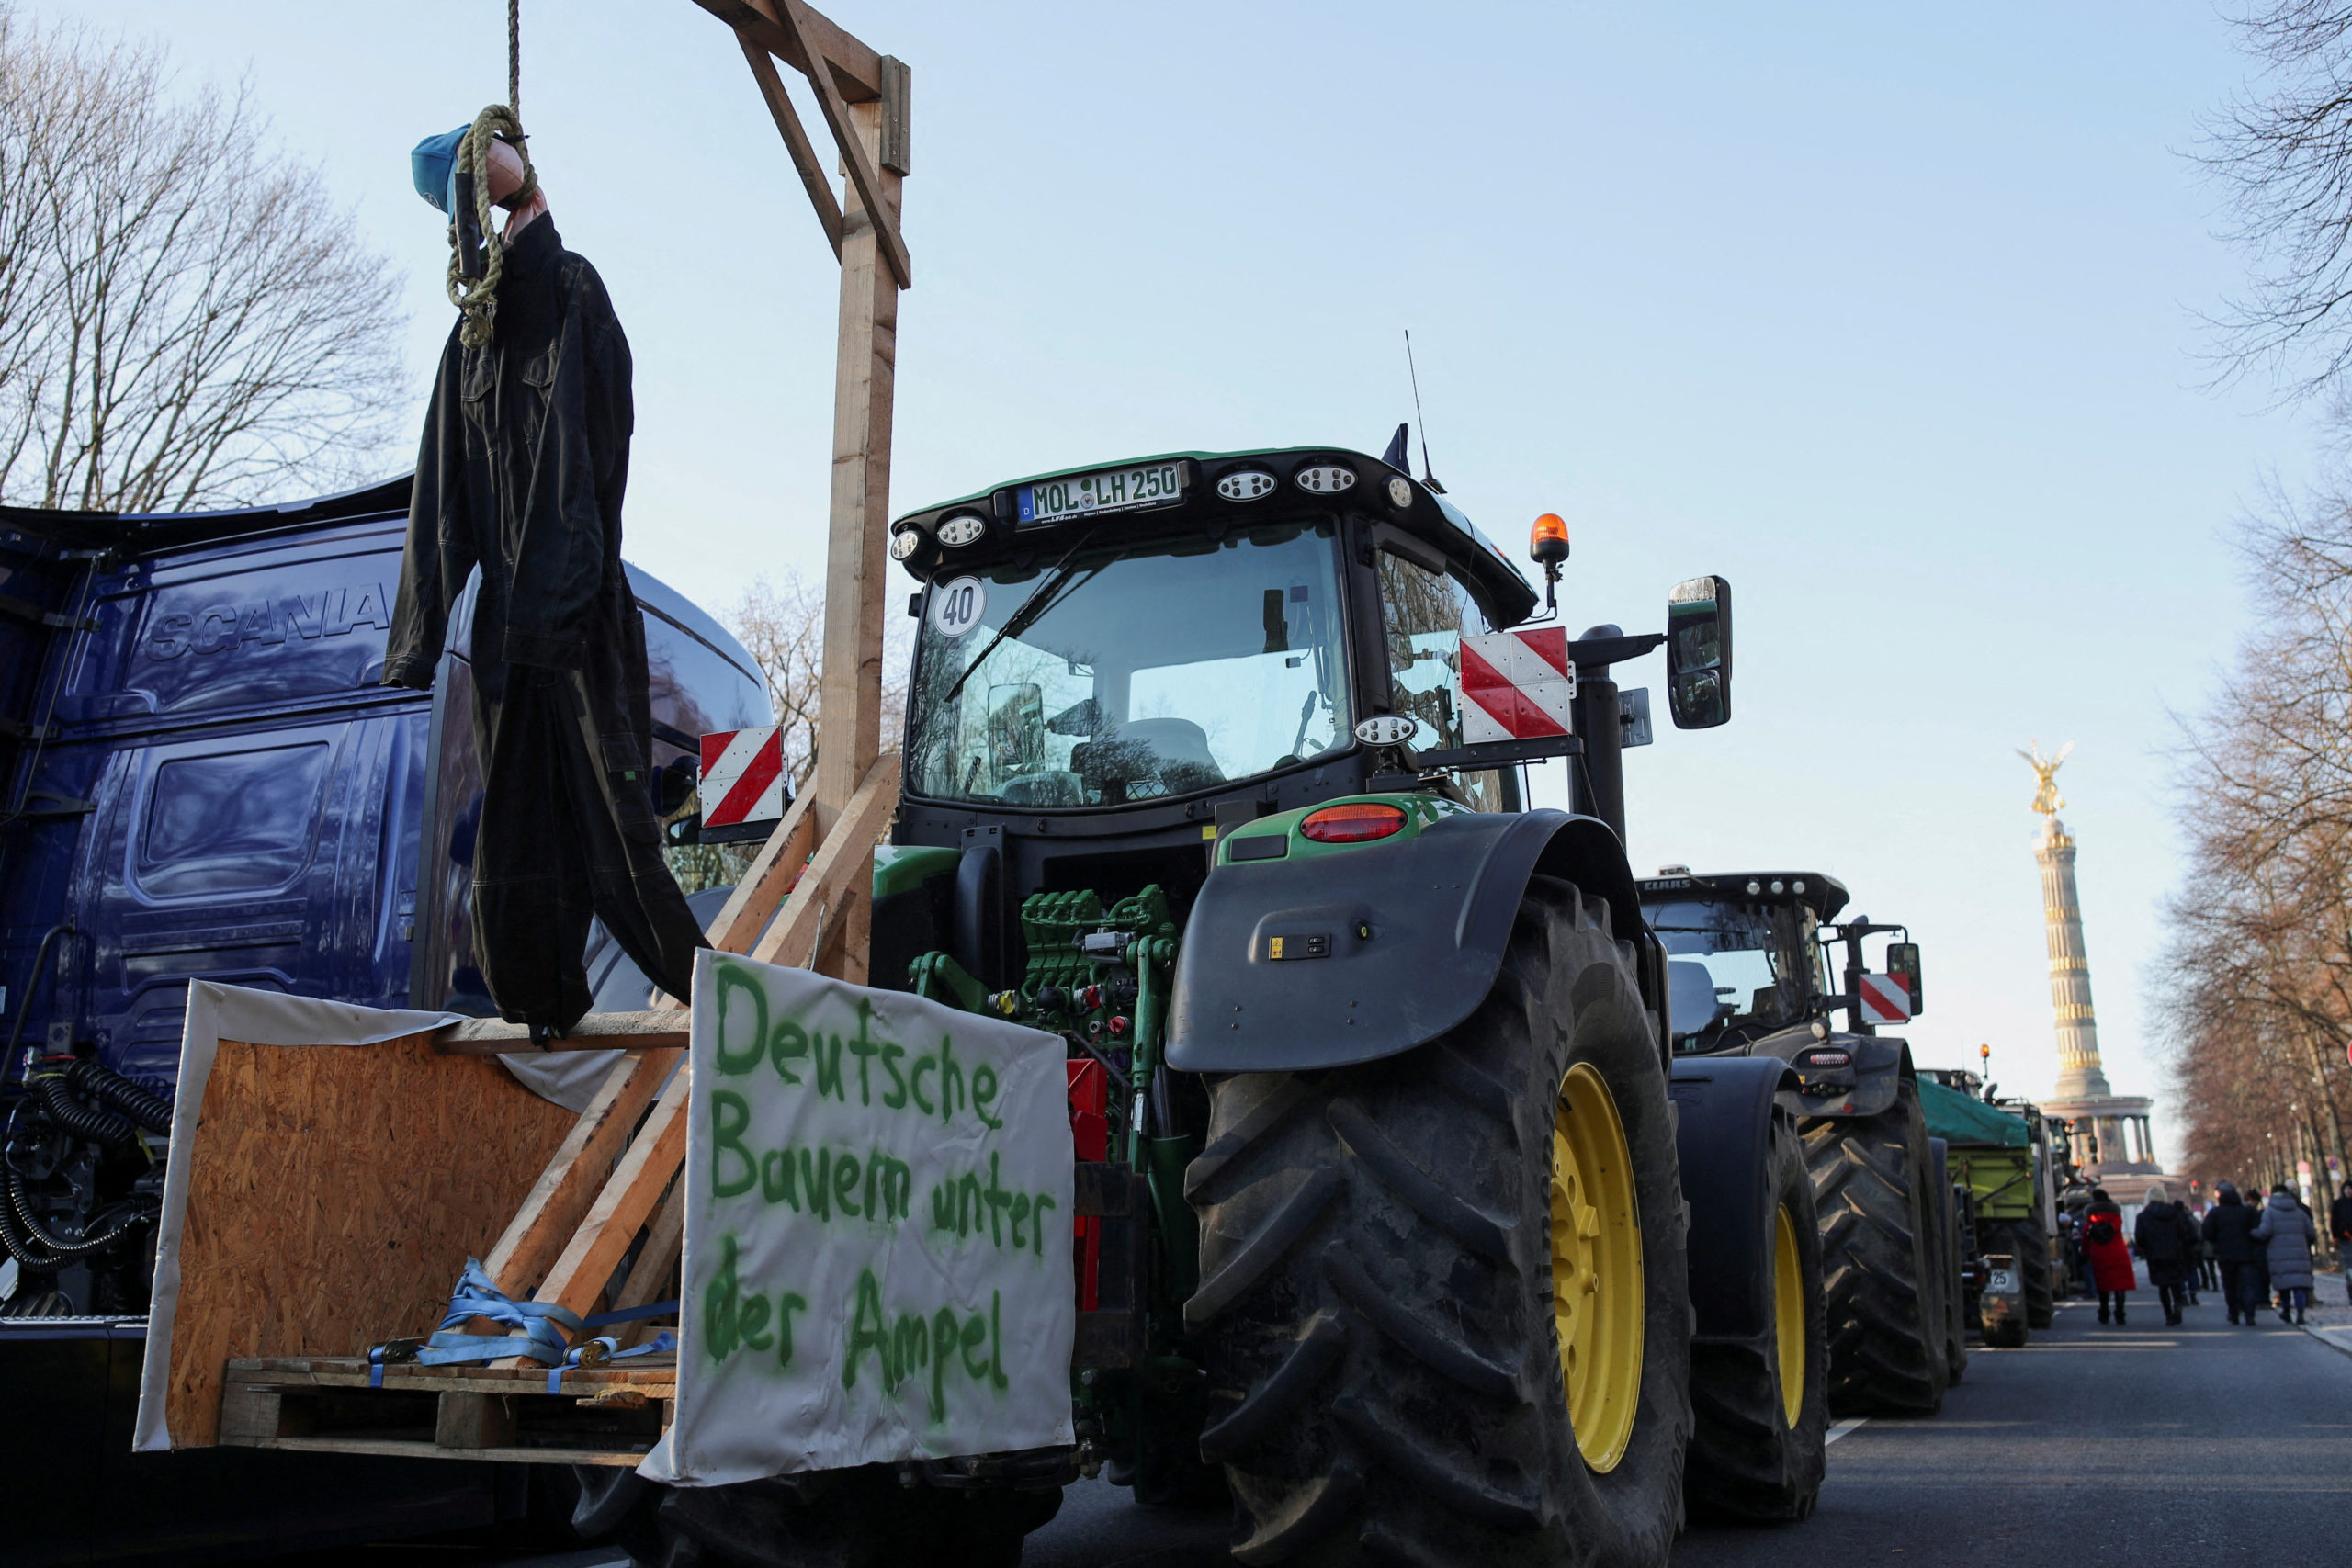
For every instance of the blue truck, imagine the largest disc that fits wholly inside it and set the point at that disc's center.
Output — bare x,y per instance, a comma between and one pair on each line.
201,776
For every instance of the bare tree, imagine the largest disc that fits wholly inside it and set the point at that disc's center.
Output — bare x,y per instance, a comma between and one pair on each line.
183,322
783,628
2258,993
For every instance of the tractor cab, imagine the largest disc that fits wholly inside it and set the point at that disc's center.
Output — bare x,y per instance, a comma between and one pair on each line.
1113,667
1748,974
1743,958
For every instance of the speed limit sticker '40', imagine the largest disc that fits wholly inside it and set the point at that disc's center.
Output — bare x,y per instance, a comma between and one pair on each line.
957,605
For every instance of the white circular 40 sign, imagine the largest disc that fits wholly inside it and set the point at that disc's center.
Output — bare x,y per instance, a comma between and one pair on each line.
956,606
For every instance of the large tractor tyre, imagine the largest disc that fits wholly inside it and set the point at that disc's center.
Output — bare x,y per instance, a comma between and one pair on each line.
2030,1244
1761,1406
1443,1295
1873,1186
1950,1252
861,1517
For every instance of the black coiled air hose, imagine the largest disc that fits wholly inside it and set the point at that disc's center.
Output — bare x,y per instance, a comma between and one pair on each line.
134,1099
57,1101
27,1241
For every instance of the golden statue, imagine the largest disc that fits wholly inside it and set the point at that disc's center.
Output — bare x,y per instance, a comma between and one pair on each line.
2047,800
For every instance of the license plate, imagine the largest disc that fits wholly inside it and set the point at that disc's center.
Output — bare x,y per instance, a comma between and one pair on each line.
1113,489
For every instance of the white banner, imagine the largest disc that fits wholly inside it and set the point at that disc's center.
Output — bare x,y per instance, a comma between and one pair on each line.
877,1247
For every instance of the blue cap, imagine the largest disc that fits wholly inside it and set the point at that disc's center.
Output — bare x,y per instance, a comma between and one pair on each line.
433,163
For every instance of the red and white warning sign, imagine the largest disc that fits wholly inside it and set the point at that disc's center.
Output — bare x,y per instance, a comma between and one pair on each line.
1886,998
743,783
1516,686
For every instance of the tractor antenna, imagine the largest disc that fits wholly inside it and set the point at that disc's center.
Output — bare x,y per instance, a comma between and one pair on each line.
1428,477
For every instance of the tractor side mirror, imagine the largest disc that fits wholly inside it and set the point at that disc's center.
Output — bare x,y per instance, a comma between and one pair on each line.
1903,958
1698,653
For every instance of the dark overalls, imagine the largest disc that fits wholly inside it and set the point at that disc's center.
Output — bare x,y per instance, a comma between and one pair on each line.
521,473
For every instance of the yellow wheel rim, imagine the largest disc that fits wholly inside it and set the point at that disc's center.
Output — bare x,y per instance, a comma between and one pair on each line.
1788,1314
1596,1289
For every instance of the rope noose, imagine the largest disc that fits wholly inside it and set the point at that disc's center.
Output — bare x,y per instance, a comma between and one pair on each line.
478,301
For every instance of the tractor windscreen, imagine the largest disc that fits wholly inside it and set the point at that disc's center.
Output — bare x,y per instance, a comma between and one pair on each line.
1732,966
1130,672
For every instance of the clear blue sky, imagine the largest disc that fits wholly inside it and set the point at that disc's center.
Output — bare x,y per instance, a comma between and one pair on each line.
1887,313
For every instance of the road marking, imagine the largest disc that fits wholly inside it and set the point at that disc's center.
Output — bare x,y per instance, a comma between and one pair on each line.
1838,1429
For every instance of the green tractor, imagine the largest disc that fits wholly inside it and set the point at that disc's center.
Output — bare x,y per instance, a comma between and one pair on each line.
2001,1153
1399,1215
1748,971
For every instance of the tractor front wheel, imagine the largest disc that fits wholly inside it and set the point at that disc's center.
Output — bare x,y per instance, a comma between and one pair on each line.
1762,1404
1443,1295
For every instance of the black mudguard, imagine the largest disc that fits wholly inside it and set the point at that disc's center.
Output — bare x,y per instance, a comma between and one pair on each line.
1727,1106
1880,1065
1439,908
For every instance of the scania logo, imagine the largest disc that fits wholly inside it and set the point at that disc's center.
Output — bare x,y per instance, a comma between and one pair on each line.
330,611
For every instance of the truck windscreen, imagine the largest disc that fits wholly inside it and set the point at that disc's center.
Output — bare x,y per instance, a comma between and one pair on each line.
1129,671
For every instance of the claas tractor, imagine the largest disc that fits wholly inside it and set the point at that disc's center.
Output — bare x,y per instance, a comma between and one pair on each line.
1402,1215
1749,965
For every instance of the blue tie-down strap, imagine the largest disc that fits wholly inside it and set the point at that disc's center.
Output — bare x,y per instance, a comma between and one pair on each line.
605,1348
540,1326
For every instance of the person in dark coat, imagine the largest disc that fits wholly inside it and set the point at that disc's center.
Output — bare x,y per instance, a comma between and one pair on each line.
520,477
2109,1254
2339,1230
2166,1240
2287,1233
2229,1229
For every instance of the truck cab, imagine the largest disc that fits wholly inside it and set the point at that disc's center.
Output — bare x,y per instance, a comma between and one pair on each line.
201,776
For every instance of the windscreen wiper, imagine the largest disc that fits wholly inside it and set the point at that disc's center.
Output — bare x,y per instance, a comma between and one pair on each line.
1041,599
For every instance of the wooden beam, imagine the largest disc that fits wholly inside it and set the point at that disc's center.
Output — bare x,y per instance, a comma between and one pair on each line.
857,563
540,1229
771,874
842,874
612,1221
857,70
650,1276
876,189
796,141
597,1032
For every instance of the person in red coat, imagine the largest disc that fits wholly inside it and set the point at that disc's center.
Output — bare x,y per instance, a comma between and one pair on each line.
2110,1254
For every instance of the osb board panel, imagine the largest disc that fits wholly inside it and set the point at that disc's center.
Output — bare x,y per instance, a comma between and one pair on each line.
335,1193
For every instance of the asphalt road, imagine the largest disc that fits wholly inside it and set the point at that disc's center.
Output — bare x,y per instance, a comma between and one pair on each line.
2093,1446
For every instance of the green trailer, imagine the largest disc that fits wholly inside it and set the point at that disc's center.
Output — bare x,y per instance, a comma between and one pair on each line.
1997,1154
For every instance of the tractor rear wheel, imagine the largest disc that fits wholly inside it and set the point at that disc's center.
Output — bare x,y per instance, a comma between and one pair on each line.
1873,1185
2029,1243
1762,1405
1443,1295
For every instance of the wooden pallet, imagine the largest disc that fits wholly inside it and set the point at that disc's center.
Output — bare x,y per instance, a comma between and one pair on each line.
607,1414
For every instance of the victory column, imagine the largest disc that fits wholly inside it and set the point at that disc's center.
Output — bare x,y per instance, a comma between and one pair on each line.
2111,1135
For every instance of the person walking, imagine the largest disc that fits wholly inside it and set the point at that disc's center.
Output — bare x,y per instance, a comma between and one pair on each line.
2229,1230
2166,1240
2288,1234
2339,1230
2109,1255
